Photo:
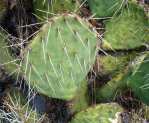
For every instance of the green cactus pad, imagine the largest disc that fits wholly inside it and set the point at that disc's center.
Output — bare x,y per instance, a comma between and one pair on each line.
113,64
60,56
105,8
127,31
47,8
113,67
113,88
118,84
138,80
102,113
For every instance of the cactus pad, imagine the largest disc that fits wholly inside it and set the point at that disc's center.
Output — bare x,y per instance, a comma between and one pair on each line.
60,56
127,31
113,64
113,88
105,8
138,80
44,8
134,77
102,113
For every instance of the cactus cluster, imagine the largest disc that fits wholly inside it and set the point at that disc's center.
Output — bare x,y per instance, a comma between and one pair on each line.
130,35
58,58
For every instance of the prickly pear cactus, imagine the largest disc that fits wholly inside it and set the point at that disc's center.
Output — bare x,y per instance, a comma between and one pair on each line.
127,31
134,77
102,113
48,8
138,80
105,8
19,109
112,64
58,59
113,88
